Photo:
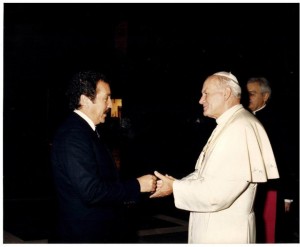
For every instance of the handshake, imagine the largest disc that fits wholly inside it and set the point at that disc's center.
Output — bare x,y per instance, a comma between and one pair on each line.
159,185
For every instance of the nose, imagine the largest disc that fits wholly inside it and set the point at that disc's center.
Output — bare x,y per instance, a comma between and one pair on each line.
201,101
109,105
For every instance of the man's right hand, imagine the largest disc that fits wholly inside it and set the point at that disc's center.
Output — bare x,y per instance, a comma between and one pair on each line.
147,183
164,185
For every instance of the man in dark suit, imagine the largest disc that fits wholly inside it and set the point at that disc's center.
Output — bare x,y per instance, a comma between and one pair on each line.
90,193
274,198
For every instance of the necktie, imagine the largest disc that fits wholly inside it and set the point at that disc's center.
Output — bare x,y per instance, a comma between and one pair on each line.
98,135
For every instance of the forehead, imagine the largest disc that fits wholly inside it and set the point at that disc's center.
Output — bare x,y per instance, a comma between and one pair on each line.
253,86
209,84
103,87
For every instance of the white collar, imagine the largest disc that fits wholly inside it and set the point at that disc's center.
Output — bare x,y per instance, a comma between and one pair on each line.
86,118
259,109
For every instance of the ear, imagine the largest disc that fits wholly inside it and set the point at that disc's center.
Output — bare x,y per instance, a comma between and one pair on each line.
84,101
266,96
227,93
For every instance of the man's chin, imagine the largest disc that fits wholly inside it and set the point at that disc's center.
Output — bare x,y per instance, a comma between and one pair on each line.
206,114
102,120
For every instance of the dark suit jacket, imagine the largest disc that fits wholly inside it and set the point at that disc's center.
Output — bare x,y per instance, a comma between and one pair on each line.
90,194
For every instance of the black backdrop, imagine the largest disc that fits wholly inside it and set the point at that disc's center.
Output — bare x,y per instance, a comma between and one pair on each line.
157,56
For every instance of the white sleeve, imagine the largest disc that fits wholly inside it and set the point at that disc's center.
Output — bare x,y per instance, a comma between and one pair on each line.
207,194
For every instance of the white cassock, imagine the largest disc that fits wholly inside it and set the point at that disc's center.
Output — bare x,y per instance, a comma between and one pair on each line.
220,192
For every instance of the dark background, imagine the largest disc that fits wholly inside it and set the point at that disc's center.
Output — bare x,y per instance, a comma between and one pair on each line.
157,56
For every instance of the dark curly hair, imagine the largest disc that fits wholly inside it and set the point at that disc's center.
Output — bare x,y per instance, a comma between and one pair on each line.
84,82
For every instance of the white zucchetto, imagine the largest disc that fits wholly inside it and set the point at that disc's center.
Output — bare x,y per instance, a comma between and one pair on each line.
227,75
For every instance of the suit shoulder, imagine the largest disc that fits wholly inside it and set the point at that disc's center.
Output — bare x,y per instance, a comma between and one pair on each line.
73,124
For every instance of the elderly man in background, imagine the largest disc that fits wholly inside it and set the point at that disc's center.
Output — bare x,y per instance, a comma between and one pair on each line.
220,193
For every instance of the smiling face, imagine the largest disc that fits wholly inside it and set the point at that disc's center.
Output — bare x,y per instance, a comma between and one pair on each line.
97,109
212,98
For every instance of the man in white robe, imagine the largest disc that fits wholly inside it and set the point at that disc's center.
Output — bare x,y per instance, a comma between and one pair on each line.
221,191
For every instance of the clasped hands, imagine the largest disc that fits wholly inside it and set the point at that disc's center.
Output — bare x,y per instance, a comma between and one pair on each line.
159,185
164,185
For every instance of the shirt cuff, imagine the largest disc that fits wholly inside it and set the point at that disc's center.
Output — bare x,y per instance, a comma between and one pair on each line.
288,200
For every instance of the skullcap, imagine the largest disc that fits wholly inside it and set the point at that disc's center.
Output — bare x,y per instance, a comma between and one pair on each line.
227,75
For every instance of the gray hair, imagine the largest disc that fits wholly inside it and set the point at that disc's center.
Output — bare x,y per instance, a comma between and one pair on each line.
264,84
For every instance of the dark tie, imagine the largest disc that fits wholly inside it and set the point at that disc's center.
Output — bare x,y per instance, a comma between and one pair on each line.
98,135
